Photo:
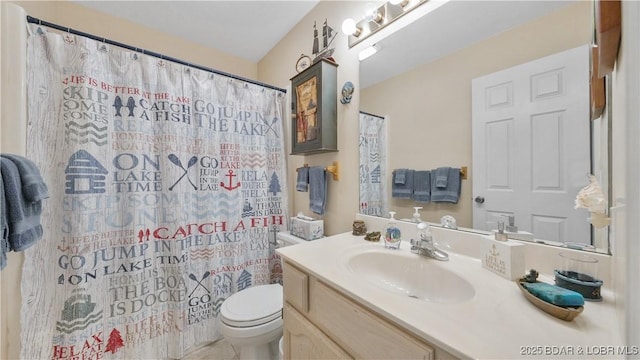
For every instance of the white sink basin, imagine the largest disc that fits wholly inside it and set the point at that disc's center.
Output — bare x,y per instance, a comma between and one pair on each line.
413,276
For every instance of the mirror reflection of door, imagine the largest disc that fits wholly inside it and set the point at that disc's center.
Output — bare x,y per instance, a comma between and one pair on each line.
531,150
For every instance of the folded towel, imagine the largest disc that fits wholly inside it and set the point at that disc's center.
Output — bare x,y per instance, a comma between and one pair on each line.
554,294
449,194
317,189
302,183
442,173
4,228
422,186
400,176
404,190
33,186
23,215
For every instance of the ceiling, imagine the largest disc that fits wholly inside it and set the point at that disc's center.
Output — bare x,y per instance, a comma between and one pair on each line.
249,29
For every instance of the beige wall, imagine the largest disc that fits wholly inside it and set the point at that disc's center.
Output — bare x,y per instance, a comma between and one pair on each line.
429,108
277,67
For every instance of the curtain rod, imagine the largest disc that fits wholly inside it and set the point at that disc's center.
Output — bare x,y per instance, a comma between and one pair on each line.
33,20
378,116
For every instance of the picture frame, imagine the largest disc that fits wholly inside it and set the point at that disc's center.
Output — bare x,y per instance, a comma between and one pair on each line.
314,109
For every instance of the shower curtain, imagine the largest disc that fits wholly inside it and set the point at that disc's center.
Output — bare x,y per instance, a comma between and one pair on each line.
167,185
373,169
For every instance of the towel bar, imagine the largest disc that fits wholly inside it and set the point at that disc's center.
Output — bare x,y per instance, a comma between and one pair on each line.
463,173
333,169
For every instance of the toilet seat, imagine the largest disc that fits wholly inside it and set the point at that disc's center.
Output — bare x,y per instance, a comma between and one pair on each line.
253,307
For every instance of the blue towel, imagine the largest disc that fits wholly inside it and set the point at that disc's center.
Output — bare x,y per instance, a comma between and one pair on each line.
4,228
33,186
554,294
404,190
317,189
302,183
400,176
422,186
23,215
451,193
442,174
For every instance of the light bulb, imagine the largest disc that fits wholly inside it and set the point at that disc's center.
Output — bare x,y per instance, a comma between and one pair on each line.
371,13
349,26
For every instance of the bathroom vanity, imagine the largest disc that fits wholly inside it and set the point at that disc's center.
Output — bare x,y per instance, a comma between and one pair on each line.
321,323
349,298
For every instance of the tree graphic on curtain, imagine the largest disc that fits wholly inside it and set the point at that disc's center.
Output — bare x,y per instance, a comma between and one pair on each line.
115,341
274,184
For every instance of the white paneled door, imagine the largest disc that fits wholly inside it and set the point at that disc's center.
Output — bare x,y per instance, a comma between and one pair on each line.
531,146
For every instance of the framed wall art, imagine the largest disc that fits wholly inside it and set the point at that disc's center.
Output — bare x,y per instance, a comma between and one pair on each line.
314,108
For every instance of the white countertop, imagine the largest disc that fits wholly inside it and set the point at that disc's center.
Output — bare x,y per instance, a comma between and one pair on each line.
498,322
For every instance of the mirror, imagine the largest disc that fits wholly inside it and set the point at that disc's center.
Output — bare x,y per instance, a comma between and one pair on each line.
425,94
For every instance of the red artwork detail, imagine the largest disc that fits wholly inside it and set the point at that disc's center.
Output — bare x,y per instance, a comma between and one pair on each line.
115,341
230,175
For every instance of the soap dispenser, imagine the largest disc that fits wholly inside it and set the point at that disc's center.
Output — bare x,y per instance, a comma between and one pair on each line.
416,214
392,236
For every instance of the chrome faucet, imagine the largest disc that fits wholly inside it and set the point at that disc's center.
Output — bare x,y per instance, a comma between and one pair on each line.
424,244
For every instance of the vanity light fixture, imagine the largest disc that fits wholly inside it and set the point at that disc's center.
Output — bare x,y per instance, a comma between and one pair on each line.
376,18
367,52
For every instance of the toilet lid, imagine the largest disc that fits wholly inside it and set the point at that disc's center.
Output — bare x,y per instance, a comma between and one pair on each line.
253,306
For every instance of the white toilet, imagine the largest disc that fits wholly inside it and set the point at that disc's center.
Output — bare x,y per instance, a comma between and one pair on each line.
251,319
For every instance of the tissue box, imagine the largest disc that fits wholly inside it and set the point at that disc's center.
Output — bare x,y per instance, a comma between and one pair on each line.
505,258
307,229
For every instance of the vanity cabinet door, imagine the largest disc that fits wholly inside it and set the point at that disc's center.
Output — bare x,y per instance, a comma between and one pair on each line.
302,340
296,288
362,333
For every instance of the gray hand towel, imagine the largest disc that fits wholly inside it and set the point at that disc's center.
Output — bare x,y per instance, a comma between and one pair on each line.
451,193
23,215
405,190
422,186
302,183
442,173
400,176
33,186
317,189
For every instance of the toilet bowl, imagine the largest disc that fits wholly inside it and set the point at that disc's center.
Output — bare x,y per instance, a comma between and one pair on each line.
251,321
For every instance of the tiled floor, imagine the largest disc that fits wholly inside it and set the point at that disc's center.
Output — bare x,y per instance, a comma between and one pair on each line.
219,350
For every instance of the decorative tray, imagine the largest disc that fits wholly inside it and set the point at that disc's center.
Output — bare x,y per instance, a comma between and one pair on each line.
563,313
